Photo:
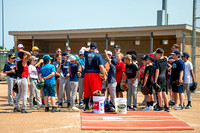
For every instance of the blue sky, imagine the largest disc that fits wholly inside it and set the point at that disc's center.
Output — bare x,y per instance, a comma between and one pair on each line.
23,15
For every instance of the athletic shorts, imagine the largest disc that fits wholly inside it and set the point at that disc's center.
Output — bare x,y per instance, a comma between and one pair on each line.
177,89
49,90
118,88
163,85
92,82
150,89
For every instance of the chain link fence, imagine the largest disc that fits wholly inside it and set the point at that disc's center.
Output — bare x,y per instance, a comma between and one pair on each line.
3,58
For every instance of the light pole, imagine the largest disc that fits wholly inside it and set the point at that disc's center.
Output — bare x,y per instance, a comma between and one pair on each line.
2,24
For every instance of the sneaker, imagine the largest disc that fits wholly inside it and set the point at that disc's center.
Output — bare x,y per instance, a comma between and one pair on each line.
146,109
75,108
34,101
129,107
54,109
26,111
151,108
46,109
17,110
180,108
68,105
76,101
160,109
189,106
134,107
33,107
167,109
175,106
57,102
86,109
60,105
81,105
154,103
171,103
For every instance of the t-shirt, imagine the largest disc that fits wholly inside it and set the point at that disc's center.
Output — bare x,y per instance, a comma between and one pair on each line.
82,63
65,69
149,69
32,72
131,70
92,62
187,74
73,69
111,74
142,67
120,68
177,66
46,70
161,64
10,66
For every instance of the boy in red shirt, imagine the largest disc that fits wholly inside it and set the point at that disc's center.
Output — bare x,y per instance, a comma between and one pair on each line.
120,74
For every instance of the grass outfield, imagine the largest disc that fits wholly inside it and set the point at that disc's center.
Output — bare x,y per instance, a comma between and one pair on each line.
69,121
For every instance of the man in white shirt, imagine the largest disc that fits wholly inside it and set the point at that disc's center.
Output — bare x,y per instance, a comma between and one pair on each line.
189,78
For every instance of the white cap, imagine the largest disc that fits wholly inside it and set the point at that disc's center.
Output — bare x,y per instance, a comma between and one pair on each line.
20,46
83,48
109,52
72,58
81,52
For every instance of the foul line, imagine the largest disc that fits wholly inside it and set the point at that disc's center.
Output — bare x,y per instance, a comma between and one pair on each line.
130,120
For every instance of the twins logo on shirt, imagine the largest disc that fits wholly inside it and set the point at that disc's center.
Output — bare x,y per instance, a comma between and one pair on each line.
12,67
174,65
90,58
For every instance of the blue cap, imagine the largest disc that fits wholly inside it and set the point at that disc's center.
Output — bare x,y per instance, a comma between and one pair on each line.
93,45
185,54
114,61
46,57
176,52
65,54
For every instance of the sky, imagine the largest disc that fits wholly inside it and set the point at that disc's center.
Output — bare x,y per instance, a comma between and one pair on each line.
25,15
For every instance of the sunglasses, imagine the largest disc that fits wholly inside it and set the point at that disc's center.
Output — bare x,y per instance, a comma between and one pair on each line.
58,51
68,50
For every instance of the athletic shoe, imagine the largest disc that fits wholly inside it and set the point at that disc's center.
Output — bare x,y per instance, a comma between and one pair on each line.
86,109
60,105
17,110
33,107
189,106
160,109
54,109
151,108
167,109
171,103
75,108
26,111
68,105
34,101
175,106
146,109
154,103
129,107
76,102
180,108
81,105
57,102
134,107
46,109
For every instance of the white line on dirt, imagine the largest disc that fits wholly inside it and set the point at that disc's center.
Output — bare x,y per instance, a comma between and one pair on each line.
91,127
130,120
49,129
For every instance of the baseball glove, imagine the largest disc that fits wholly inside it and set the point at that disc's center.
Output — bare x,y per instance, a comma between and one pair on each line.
144,90
124,86
40,85
15,88
177,83
156,87
193,87
97,93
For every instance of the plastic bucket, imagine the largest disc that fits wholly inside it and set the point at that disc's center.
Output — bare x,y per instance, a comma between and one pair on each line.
121,105
98,104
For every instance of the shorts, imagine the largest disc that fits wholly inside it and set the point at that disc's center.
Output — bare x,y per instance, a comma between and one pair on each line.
118,88
177,89
150,89
49,90
163,85
92,82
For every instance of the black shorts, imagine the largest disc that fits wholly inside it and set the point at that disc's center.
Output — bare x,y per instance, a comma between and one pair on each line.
177,89
118,89
150,89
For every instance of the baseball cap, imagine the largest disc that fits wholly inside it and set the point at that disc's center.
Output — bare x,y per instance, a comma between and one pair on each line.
109,52
20,46
33,58
11,56
77,57
65,54
152,55
176,52
47,57
81,52
149,57
159,50
117,46
35,48
186,54
93,45
83,48
72,58
114,61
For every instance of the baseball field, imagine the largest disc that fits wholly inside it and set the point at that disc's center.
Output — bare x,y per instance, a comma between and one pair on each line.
69,121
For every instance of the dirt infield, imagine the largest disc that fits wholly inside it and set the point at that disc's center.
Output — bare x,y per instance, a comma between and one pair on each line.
68,121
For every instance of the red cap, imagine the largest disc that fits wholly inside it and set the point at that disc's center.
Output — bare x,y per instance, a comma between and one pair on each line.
152,55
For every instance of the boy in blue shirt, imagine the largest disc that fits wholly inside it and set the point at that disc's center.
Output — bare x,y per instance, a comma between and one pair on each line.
74,71
47,73
9,69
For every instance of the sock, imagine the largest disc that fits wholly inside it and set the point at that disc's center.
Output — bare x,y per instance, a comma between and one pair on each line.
151,103
42,101
189,102
86,102
148,104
